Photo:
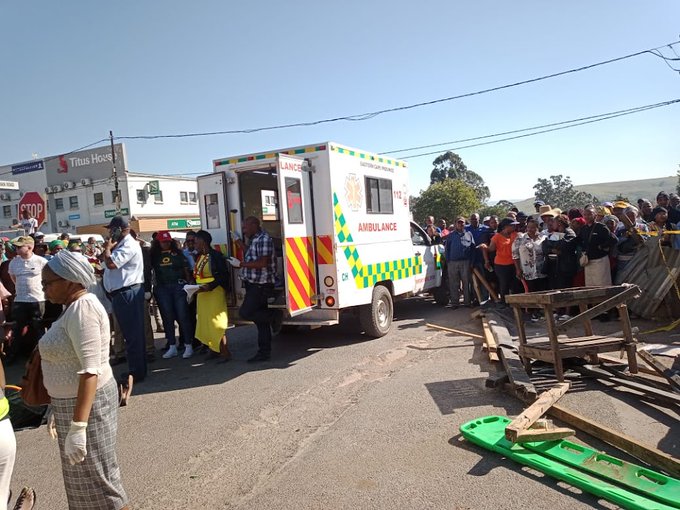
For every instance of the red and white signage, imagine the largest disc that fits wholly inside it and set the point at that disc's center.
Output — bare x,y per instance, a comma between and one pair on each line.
35,203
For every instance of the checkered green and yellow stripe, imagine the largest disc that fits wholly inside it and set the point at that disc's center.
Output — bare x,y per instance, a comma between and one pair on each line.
367,156
368,275
270,155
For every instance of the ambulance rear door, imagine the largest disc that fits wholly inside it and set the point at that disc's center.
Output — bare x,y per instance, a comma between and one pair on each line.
297,218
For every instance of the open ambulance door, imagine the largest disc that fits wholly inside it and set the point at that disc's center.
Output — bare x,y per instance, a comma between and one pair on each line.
297,220
216,219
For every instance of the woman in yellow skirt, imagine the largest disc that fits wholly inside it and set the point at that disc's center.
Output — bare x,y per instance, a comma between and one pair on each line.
212,274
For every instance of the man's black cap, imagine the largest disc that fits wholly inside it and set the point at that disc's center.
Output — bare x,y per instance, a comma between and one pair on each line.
118,222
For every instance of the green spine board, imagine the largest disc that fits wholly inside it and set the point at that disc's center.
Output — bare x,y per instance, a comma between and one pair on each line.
489,432
655,485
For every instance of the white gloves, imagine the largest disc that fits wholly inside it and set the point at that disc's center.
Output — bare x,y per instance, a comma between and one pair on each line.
75,446
235,236
51,424
234,262
147,296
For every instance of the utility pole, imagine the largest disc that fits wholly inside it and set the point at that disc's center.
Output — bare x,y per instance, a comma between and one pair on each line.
115,174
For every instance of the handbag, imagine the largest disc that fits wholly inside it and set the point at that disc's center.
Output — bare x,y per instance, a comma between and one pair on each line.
33,390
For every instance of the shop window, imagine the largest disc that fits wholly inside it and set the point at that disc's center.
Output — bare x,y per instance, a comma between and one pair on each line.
192,197
183,197
59,204
379,196
158,197
99,199
7,211
73,202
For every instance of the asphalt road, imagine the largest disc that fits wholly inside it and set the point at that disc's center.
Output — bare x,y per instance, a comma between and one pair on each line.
335,420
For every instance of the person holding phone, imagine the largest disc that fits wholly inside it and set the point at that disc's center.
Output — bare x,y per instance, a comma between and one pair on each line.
124,283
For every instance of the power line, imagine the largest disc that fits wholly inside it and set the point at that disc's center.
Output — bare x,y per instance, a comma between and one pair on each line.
599,119
502,133
370,115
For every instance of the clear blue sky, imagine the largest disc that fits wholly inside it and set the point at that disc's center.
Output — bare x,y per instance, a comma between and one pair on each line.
73,70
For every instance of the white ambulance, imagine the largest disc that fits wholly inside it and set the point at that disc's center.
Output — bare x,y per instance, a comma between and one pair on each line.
340,221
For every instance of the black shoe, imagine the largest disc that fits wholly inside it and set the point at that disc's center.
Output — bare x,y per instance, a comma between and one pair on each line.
259,357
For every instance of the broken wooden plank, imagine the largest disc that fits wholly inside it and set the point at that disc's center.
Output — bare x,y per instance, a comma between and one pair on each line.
622,361
516,373
487,286
646,453
550,434
532,413
489,340
666,397
629,293
672,378
457,331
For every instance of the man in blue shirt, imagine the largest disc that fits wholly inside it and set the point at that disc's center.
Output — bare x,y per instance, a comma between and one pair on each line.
460,247
482,235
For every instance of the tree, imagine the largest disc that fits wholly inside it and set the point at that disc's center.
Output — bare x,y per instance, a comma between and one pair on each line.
558,191
500,209
677,187
450,166
446,199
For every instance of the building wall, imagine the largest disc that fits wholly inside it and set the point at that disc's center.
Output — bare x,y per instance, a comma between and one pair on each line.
89,199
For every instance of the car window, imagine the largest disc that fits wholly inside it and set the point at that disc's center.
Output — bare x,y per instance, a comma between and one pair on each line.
418,238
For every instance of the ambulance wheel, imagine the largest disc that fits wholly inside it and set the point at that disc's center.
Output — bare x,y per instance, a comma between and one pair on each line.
376,318
441,295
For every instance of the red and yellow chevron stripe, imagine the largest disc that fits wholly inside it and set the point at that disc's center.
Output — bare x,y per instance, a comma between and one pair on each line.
324,250
300,272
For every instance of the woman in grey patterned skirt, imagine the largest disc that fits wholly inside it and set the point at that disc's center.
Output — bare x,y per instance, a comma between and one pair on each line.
79,380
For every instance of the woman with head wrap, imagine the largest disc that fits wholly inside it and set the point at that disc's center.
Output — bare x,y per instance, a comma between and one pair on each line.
80,382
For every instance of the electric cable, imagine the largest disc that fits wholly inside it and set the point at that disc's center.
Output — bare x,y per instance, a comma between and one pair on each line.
503,133
658,105
370,115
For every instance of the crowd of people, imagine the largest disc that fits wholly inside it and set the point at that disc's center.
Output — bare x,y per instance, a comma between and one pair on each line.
550,248
88,307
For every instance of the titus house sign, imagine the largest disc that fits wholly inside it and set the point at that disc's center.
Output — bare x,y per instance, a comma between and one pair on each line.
184,223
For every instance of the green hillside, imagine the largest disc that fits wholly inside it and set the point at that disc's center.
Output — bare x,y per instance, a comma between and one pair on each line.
606,191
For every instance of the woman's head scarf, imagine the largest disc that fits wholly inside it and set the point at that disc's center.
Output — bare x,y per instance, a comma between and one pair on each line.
72,267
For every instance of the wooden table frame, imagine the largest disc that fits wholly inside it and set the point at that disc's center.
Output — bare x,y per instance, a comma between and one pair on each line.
556,346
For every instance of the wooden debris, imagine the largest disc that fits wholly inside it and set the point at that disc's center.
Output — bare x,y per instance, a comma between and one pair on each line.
550,434
661,396
457,331
646,453
532,413
631,292
672,378
487,285
489,341
621,361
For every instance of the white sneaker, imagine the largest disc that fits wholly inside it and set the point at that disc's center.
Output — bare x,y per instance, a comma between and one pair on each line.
188,352
564,317
172,352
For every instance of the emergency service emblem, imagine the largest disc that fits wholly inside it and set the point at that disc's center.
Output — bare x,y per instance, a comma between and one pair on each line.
353,193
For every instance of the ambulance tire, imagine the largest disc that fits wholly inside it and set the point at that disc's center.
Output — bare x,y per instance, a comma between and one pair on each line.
376,318
441,295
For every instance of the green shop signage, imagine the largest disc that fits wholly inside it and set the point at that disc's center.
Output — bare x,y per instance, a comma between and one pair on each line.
184,223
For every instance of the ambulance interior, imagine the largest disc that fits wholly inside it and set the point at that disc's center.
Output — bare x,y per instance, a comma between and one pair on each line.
259,194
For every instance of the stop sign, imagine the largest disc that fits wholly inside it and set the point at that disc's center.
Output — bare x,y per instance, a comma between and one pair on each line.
35,204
